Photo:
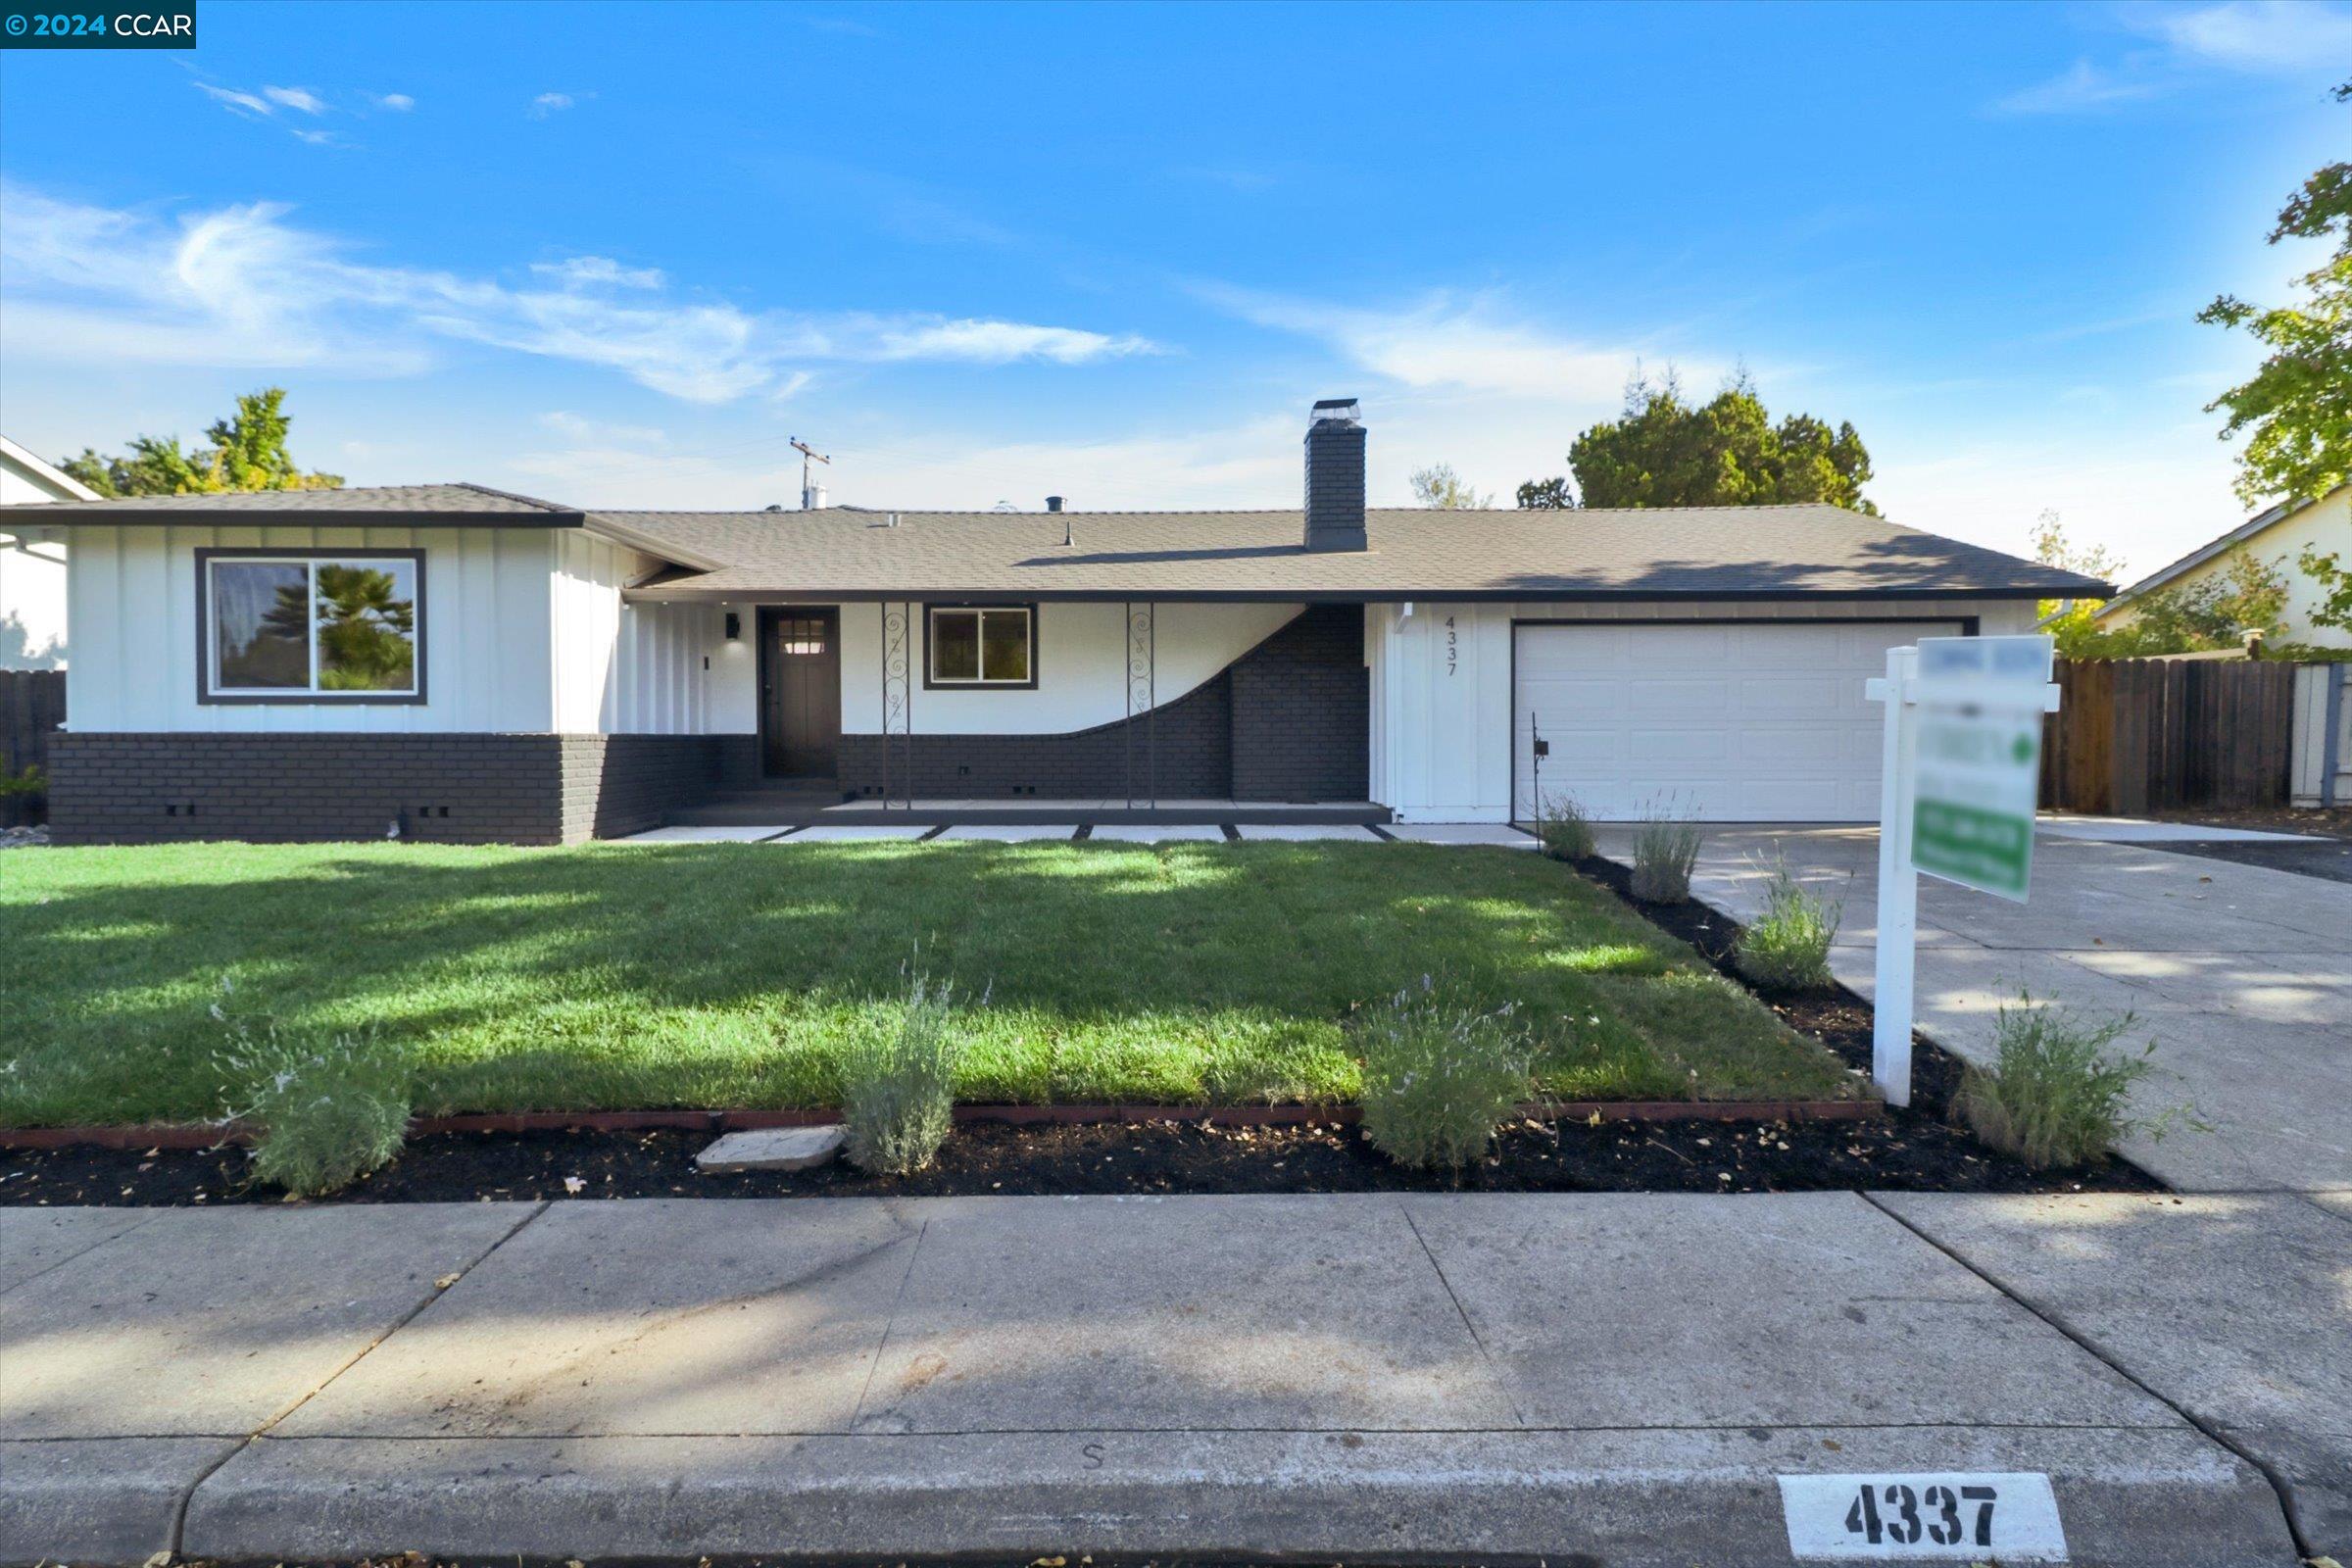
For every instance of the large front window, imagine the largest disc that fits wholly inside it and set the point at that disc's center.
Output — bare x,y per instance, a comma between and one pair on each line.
282,628
983,646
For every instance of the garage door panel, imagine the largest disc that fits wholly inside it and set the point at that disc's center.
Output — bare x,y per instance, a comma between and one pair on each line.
1760,721
1655,747
1710,695
1706,648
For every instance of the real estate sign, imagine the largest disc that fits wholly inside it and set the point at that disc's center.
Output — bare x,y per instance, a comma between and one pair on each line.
1979,760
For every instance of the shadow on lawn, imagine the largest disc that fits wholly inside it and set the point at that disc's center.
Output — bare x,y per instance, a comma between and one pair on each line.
732,947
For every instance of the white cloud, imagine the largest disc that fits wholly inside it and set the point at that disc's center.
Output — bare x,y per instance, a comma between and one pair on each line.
241,286
1449,343
584,271
399,103
548,103
580,429
236,102
2290,36
301,98
2083,86
999,342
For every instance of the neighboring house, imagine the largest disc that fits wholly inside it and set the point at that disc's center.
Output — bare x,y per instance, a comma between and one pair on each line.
33,579
2279,536
455,662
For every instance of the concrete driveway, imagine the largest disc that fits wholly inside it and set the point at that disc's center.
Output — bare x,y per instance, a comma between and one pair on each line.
2241,974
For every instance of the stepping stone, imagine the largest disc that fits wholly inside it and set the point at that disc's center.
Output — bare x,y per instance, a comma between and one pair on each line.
770,1149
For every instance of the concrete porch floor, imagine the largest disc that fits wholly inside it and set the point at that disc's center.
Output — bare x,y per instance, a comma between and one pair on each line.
780,810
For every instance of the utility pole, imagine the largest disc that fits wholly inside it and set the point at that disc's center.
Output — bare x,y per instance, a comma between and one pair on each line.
808,452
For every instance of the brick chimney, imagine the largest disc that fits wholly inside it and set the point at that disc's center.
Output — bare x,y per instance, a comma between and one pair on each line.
1334,477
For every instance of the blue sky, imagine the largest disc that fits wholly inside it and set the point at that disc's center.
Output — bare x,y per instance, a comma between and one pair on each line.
617,256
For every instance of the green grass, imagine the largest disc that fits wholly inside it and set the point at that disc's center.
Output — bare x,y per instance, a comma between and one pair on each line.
724,975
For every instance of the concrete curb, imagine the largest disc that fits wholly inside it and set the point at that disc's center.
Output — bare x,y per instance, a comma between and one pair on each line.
98,1499
1654,1498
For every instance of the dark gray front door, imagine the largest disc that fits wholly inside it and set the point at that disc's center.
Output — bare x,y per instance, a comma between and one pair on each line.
800,690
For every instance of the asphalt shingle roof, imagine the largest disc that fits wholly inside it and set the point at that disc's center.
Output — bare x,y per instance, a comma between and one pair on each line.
1704,552
850,553
442,503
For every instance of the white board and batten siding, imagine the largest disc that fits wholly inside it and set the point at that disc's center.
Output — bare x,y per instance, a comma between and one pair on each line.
1733,711
622,668
487,650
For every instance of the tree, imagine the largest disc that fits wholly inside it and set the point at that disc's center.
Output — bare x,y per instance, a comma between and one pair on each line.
2069,620
2298,405
1545,494
1666,451
247,452
1437,485
2336,587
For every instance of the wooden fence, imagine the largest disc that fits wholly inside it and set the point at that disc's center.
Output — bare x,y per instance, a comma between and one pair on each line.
2134,735
32,702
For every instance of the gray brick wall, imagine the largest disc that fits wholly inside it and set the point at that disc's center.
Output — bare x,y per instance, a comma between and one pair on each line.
1194,758
442,788
1303,712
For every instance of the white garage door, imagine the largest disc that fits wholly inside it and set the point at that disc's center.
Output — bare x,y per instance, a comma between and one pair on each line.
1748,722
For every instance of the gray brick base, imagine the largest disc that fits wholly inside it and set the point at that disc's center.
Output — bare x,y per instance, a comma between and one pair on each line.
1288,721
441,788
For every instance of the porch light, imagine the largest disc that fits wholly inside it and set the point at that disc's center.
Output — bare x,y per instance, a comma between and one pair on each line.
734,625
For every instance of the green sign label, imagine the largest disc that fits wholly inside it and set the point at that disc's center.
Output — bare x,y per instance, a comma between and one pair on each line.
1980,849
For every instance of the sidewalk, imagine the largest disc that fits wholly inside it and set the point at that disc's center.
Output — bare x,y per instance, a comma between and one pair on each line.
2242,975
1369,1377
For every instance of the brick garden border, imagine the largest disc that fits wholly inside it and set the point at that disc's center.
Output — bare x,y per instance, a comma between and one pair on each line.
182,1135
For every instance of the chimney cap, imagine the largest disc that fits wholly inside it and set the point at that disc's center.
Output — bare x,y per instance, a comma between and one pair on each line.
1338,411
1053,503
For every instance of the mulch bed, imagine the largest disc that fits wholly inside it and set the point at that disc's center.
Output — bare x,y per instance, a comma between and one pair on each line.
1918,1150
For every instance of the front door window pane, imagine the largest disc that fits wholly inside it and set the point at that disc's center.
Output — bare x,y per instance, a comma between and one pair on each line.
262,625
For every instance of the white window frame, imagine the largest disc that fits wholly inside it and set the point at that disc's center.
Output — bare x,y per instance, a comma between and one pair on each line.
211,688
933,678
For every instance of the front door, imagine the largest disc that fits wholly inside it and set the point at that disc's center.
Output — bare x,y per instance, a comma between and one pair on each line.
800,690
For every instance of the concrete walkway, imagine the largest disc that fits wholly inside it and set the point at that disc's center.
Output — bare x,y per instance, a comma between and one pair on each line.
1606,1377
2241,974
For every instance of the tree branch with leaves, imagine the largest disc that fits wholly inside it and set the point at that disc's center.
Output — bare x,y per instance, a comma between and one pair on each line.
248,452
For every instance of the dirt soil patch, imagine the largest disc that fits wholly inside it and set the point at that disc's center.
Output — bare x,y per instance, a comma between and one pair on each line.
1918,1150
2326,821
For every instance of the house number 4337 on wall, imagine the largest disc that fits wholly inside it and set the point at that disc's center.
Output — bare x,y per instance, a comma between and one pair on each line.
1906,1518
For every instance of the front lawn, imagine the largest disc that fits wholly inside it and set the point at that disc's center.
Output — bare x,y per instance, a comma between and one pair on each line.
619,977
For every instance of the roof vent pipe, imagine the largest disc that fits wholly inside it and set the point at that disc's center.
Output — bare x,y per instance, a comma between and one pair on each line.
1334,477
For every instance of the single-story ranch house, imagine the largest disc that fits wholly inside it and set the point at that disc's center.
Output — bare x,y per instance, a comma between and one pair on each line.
451,663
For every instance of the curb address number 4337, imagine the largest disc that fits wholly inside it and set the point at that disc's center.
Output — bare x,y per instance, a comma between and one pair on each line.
1903,1518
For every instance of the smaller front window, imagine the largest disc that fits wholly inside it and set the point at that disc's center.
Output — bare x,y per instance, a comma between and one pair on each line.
991,646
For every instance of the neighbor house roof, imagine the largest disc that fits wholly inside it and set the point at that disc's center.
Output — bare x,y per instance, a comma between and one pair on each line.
848,553
2259,524
47,476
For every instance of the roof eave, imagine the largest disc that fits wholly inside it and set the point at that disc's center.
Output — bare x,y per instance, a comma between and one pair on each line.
687,591
119,514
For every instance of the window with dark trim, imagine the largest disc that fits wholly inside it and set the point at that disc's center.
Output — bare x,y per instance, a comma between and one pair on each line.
310,626
980,645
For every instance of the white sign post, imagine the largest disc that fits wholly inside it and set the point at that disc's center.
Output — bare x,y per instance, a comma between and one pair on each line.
1962,761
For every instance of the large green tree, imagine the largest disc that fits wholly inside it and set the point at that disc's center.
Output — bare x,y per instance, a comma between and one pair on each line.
248,452
2297,408
1665,451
